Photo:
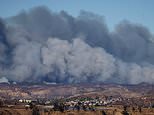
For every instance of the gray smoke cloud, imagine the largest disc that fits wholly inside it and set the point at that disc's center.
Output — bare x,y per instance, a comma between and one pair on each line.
77,59
4,47
41,45
131,43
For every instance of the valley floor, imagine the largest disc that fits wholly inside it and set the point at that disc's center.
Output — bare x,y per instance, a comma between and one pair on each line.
105,111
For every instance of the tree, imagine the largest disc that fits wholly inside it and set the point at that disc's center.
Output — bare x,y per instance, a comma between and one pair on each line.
59,106
1,103
140,110
35,111
103,112
125,111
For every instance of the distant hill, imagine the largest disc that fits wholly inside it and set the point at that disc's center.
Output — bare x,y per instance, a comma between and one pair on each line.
62,90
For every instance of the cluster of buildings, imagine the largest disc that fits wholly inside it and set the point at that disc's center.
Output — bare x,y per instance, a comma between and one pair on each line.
72,103
93,101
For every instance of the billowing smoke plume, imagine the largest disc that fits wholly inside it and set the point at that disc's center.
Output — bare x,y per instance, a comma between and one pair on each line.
41,45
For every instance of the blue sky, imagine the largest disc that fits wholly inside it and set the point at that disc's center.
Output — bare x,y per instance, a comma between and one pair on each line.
136,11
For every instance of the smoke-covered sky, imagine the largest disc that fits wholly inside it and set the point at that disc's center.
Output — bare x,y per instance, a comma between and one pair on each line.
137,11
41,45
